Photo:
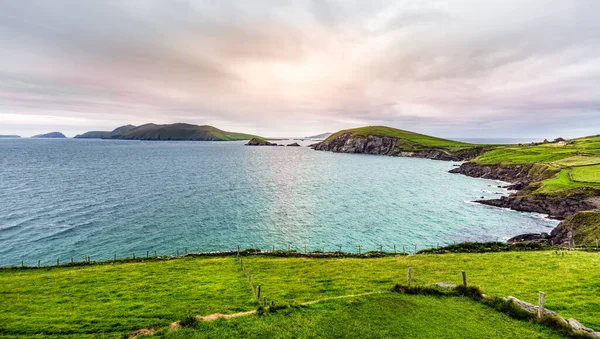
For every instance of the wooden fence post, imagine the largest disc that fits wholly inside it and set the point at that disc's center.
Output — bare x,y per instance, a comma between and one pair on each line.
264,301
409,277
542,303
395,252
358,248
380,247
22,263
258,294
464,278
403,249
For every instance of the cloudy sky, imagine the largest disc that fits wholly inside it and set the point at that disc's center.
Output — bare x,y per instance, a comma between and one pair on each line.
456,68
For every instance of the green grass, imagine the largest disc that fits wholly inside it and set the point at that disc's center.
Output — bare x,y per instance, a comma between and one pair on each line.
408,140
117,298
571,282
385,315
586,174
574,166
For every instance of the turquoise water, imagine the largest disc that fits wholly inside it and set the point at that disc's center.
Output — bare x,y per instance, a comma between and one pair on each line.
72,198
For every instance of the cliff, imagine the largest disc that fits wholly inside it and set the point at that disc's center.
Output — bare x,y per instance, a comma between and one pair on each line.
394,142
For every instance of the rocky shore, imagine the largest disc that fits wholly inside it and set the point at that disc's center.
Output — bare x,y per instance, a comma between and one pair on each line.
574,209
384,145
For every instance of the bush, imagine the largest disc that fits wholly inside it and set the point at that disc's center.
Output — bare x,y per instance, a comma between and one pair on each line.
189,322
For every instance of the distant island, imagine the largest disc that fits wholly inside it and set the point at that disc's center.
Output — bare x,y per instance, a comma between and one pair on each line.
105,134
320,136
260,142
174,132
51,135
560,178
9,136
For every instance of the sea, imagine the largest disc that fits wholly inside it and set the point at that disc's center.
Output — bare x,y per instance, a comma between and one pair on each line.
73,198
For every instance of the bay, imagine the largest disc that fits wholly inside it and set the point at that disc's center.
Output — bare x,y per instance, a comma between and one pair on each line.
72,198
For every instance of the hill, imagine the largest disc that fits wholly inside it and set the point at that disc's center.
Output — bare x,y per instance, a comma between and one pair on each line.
320,136
179,131
557,178
104,134
51,135
396,142
116,299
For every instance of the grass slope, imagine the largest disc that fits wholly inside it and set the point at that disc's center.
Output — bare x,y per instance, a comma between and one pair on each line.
574,165
117,298
409,141
120,297
180,131
385,315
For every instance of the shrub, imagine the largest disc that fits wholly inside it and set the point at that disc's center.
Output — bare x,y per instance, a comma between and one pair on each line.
190,322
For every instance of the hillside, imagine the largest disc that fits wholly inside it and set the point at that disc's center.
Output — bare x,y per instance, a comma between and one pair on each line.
104,134
556,178
116,299
396,142
51,135
179,131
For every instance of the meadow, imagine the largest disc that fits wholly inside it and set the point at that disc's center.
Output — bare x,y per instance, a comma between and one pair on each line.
114,299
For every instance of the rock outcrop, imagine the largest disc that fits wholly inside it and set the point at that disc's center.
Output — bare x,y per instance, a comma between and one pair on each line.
385,145
293,145
260,142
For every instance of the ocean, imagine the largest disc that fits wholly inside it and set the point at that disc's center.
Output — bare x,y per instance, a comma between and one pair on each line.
72,198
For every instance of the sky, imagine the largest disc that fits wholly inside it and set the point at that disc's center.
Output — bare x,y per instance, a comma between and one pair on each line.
456,68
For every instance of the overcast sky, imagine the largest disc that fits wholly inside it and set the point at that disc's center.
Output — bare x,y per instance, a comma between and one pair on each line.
457,68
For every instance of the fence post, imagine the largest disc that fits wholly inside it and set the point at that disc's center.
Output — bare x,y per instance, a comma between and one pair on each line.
258,294
542,303
395,252
22,264
380,247
39,263
415,250
464,278
358,248
185,251
409,277
403,249
155,253
264,301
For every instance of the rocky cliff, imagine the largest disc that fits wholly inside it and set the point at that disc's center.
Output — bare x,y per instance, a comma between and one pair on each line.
392,146
527,178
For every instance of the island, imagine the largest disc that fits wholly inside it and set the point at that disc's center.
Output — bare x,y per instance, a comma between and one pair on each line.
9,136
260,142
51,135
105,134
560,178
172,132
295,144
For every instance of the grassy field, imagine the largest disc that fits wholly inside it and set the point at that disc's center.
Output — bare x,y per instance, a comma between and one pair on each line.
121,297
409,141
385,315
571,167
